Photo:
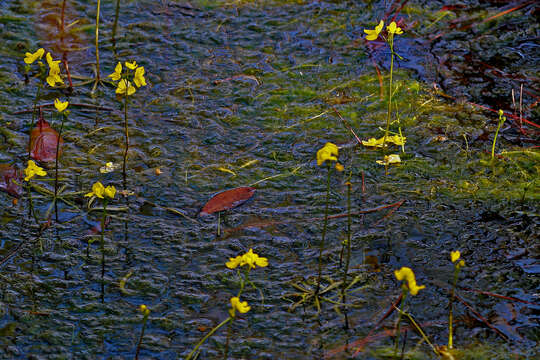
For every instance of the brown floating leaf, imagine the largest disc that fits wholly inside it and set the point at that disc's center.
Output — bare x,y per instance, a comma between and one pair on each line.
10,180
43,141
227,199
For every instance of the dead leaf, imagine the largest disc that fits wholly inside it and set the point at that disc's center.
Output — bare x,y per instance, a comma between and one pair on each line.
227,199
43,142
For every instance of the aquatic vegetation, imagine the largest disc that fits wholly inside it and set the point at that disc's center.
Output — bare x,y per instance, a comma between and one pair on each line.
502,119
250,260
392,30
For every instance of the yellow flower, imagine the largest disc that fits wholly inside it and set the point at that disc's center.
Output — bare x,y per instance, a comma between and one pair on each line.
390,159
30,58
144,309
241,306
131,65
394,139
125,86
60,106
374,34
407,274
109,167
455,255
328,152
97,190
339,167
32,169
117,74
54,71
394,29
110,191
138,78
460,264
250,258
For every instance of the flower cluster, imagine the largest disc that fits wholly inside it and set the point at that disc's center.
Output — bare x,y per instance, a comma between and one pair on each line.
454,257
407,274
54,68
124,85
250,259
395,139
32,169
144,310
100,191
374,34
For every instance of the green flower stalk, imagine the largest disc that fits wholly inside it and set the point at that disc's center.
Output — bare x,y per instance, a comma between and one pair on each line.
328,152
98,190
32,170
502,119
250,260
60,106
454,257
146,312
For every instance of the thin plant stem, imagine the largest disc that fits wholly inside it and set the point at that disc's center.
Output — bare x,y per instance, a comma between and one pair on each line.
115,23
323,234
403,298
391,43
56,166
193,352
38,92
97,41
104,216
450,307
145,319
126,133
348,255
502,119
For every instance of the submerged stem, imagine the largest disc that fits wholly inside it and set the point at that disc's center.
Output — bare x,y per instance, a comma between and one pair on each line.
323,234
388,115
126,133
190,355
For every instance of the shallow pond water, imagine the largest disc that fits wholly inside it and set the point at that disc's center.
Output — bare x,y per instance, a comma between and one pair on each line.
242,93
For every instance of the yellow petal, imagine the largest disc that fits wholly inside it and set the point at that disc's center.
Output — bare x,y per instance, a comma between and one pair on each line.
328,152
30,58
110,191
60,106
117,74
138,78
455,255
131,65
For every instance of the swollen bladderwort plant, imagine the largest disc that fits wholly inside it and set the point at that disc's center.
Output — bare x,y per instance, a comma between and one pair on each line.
124,89
247,261
392,30
104,193
458,264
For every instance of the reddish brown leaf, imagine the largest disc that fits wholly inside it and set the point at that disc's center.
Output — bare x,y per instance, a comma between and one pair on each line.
43,140
227,199
10,180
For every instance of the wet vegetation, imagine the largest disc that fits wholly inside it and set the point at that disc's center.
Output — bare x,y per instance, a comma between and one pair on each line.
269,179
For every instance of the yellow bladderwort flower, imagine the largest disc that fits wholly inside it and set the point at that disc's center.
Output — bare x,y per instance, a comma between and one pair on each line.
30,58
250,258
394,29
374,34
395,139
54,71
131,65
241,306
125,86
109,167
97,190
117,74
328,152
407,274
60,106
110,191
144,310
138,78
390,159
455,255
32,169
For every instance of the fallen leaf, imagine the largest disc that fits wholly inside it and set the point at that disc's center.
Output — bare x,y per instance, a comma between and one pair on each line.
43,140
10,180
227,199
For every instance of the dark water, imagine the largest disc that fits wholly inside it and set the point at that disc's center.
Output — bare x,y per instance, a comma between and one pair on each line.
247,87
